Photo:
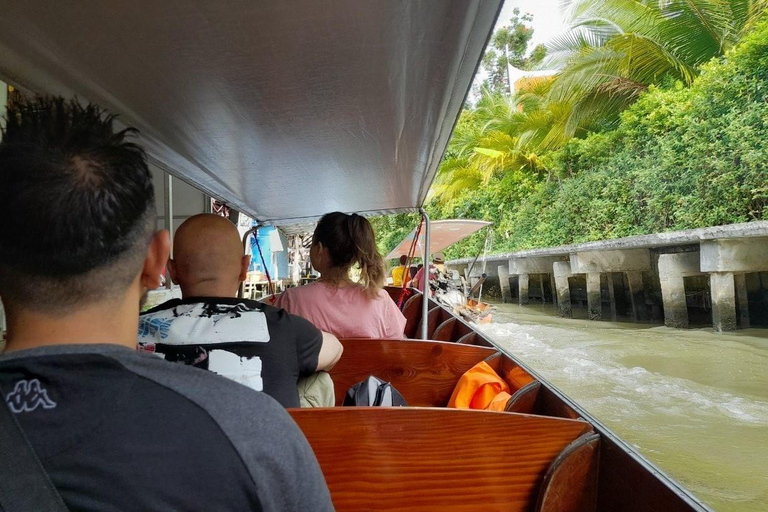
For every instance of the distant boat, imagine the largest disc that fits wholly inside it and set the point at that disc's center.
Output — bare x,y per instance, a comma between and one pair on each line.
450,289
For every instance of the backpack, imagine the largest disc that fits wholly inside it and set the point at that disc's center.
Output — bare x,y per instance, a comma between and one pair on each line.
374,392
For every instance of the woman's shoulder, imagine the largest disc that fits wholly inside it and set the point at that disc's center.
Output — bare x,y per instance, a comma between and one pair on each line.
307,290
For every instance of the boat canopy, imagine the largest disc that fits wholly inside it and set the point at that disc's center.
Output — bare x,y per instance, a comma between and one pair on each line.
284,110
444,234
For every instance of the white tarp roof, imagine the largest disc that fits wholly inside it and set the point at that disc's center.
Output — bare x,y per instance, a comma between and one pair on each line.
284,109
443,233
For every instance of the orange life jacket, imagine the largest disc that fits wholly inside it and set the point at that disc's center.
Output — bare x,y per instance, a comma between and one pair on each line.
480,388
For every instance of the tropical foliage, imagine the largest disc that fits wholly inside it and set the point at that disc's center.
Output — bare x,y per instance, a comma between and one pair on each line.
686,149
617,48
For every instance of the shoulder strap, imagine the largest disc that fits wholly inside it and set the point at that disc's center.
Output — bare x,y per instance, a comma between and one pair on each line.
24,484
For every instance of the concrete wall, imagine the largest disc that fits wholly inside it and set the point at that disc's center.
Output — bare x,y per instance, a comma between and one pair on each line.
675,277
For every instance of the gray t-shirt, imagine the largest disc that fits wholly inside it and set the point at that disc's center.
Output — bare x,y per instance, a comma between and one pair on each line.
120,430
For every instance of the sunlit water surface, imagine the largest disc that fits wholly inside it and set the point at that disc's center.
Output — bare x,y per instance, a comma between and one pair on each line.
692,401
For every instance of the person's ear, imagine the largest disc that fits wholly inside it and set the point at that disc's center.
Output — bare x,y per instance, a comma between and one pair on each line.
171,266
157,256
318,256
245,263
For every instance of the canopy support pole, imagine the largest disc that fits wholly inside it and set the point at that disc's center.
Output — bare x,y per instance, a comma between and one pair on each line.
425,277
168,191
248,233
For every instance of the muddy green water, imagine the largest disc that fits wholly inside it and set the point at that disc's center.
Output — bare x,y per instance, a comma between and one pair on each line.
693,402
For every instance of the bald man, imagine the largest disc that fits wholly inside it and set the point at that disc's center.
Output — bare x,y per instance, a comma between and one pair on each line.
258,345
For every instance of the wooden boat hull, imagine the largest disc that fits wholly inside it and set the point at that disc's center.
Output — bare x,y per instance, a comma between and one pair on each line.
604,473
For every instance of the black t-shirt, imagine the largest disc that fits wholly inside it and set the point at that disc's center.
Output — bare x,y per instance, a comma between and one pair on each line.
252,343
117,430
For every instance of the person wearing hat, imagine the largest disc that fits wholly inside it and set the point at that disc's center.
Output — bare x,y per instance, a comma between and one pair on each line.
436,268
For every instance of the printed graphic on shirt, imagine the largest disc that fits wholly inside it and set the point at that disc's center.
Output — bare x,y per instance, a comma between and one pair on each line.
199,323
245,370
28,395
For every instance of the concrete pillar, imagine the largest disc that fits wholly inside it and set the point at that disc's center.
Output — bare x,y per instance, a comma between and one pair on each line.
553,288
723,290
562,270
673,297
612,296
522,289
742,302
673,268
506,295
594,299
637,295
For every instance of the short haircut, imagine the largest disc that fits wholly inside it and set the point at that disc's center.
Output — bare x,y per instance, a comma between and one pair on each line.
76,206
403,259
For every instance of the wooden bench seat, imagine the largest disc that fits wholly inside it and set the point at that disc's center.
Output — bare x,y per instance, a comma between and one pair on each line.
412,459
425,372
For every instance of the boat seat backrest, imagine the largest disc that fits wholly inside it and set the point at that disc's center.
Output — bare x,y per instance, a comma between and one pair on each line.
570,484
445,331
424,372
402,458
412,314
468,339
436,316
394,292
524,399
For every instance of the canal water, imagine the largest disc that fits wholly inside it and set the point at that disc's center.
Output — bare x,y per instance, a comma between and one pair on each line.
693,402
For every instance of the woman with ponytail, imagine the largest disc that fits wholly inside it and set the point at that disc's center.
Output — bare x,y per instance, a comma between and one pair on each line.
336,303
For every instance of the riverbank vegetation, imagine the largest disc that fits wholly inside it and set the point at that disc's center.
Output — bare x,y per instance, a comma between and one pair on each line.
657,120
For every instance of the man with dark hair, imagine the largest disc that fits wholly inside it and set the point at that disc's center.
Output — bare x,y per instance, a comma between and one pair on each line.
113,428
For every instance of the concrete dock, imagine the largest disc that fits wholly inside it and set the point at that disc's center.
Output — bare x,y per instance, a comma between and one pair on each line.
716,275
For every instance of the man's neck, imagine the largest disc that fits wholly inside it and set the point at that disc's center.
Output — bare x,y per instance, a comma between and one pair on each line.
208,290
112,323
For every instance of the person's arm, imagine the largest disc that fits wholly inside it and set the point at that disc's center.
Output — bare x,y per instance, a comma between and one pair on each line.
316,350
330,352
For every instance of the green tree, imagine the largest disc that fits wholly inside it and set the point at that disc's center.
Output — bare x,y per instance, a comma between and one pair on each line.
509,47
615,49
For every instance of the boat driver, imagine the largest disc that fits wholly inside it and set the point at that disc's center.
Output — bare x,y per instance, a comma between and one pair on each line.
436,271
